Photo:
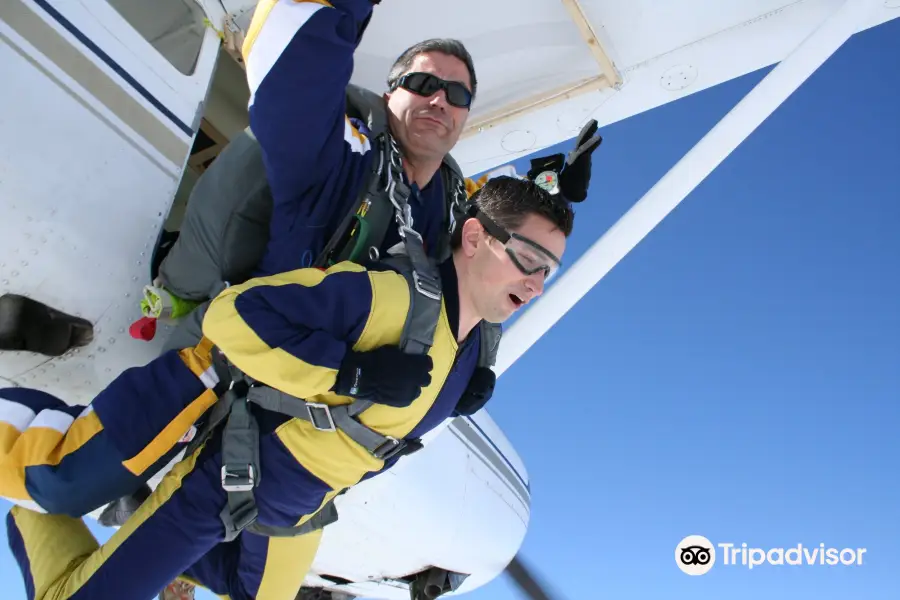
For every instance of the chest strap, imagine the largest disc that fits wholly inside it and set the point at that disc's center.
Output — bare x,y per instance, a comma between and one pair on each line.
332,418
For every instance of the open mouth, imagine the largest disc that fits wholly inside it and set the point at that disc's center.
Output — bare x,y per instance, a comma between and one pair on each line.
517,302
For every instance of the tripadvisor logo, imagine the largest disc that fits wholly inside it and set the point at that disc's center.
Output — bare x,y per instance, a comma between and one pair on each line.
696,555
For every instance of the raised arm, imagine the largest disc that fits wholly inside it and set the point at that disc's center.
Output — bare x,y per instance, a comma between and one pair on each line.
299,59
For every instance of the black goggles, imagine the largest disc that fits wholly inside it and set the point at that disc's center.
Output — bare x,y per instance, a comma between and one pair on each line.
426,84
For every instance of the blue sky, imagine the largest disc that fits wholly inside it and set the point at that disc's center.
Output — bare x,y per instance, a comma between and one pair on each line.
737,375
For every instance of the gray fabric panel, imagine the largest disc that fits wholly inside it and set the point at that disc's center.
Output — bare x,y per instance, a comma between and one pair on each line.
226,224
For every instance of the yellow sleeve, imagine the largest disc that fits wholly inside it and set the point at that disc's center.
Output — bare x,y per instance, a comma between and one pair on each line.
473,185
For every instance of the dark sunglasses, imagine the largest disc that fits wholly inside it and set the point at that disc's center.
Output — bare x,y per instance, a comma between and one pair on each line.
426,84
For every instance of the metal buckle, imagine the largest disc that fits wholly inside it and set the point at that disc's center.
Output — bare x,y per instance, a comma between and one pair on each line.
318,413
426,286
405,230
389,448
242,480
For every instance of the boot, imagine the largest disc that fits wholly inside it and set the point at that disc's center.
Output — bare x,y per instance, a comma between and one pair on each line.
116,513
177,590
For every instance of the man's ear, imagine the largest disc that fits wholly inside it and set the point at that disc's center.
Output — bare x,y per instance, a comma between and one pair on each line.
472,236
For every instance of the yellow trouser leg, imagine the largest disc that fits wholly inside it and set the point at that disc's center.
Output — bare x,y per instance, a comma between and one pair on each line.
288,560
287,563
53,544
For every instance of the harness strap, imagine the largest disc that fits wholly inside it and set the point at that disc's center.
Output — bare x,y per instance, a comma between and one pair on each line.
331,418
240,453
421,273
490,335
326,515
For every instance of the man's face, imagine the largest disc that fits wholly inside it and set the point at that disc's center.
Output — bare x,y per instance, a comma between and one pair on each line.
429,127
498,287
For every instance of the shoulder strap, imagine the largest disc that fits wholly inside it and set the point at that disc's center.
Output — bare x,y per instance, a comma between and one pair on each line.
489,343
424,305
420,272
368,107
455,202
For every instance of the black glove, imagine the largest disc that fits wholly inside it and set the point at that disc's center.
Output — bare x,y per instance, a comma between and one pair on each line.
386,375
478,392
576,175
569,175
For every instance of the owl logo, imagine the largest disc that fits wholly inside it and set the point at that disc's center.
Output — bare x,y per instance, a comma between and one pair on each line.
695,555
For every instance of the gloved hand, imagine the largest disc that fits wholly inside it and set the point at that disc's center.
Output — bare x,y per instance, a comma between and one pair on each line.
576,175
386,375
478,392
569,175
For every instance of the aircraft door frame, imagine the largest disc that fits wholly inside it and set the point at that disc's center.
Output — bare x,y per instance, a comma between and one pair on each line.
113,43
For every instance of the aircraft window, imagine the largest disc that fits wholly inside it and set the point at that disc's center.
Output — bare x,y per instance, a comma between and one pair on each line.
173,27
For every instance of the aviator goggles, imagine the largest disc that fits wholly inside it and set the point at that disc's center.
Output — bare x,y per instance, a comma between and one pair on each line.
426,84
528,256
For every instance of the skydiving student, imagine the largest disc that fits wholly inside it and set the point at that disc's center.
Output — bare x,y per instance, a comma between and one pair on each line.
328,337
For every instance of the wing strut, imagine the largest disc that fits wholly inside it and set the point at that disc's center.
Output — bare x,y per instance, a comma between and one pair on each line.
687,174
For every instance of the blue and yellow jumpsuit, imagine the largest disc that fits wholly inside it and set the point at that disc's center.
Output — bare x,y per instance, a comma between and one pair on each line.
289,331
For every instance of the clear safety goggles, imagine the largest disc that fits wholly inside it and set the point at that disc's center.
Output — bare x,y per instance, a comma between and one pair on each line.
528,256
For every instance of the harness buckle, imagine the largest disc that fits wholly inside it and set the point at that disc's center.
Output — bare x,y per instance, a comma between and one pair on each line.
426,286
320,416
405,230
389,448
238,479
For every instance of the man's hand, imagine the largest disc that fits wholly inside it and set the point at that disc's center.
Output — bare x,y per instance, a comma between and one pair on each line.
569,175
478,392
576,175
386,375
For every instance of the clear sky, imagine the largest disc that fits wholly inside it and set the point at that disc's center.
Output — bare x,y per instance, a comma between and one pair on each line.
737,375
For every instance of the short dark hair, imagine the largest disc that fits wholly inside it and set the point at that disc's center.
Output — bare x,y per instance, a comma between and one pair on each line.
508,201
448,46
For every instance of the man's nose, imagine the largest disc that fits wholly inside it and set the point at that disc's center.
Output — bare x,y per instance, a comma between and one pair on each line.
439,100
535,284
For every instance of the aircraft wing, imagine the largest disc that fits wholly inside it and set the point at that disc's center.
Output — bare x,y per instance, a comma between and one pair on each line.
546,67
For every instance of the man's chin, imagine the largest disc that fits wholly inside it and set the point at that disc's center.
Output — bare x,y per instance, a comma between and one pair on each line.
428,146
501,316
